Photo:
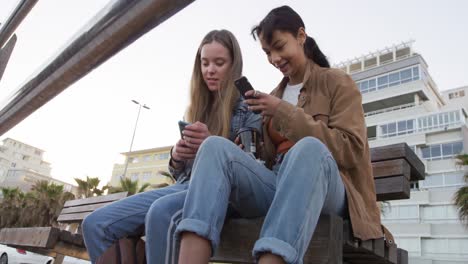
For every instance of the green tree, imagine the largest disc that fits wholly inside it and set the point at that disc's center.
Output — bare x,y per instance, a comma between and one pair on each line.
461,196
50,200
127,185
10,206
89,187
38,207
168,175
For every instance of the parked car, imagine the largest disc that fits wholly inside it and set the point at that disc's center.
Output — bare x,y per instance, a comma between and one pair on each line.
70,260
9,255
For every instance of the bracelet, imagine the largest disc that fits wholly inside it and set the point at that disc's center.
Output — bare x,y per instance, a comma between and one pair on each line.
174,160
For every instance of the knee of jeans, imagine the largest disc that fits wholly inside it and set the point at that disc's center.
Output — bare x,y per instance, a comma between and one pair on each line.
157,214
213,143
310,147
90,224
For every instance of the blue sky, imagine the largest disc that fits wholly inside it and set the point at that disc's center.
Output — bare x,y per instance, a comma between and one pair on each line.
84,129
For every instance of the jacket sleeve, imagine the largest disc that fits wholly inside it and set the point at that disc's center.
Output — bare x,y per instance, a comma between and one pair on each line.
344,132
175,172
253,120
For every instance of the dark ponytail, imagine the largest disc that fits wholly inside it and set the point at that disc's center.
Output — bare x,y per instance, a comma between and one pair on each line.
284,18
314,53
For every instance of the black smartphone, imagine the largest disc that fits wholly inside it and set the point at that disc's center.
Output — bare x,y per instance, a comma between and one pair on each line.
243,85
182,125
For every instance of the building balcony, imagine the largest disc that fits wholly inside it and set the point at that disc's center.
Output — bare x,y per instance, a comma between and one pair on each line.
394,113
410,139
395,96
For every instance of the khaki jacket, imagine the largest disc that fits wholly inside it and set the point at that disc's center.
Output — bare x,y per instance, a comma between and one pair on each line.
330,109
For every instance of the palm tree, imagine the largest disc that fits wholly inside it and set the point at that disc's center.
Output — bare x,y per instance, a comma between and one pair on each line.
461,196
168,175
10,206
50,199
89,187
127,185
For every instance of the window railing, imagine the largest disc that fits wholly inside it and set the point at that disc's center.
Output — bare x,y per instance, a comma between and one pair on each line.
390,109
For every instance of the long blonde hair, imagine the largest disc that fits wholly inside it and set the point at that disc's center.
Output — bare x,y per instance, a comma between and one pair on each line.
215,108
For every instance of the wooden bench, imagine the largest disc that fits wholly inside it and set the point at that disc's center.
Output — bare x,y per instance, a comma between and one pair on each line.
54,241
394,167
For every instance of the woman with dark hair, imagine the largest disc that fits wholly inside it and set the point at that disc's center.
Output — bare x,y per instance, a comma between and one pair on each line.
316,152
215,108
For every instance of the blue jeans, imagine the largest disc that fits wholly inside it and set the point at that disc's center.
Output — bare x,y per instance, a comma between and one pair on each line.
153,213
291,196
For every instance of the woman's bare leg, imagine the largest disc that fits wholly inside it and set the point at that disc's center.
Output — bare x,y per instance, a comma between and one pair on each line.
194,249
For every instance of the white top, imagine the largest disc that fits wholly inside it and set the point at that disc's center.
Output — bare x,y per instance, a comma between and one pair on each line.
291,93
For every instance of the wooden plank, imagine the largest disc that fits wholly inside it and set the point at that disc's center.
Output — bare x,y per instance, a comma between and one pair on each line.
388,168
71,250
402,256
392,188
117,26
237,240
379,247
72,218
41,237
391,253
239,235
95,199
397,151
84,208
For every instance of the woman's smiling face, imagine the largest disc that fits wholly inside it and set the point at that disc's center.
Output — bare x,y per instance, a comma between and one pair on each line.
286,53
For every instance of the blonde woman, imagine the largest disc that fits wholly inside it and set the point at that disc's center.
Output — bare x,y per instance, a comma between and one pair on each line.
215,109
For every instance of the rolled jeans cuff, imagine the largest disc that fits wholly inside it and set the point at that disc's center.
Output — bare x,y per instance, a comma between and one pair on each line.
275,246
201,229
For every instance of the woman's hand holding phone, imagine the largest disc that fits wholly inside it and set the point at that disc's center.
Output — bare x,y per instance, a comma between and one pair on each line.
194,134
264,103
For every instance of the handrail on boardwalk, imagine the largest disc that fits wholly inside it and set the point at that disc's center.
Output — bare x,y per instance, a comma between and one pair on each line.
119,24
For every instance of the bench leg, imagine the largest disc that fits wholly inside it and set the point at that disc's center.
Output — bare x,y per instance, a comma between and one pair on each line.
59,259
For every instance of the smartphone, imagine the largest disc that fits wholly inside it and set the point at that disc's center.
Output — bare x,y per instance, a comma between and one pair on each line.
243,85
182,125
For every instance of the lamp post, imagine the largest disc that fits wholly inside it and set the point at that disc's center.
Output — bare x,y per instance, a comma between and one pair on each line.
134,130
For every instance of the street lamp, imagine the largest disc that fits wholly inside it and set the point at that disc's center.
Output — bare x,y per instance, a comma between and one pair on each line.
134,130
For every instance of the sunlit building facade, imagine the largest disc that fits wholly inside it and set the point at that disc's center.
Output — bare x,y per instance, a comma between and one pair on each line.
402,103
145,166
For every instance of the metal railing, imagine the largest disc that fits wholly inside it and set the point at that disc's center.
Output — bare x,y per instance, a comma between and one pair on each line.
118,25
390,109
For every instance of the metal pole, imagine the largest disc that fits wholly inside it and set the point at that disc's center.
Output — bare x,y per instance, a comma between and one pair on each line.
133,137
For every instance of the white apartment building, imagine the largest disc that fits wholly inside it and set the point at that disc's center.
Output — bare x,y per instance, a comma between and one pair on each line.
21,165
403,104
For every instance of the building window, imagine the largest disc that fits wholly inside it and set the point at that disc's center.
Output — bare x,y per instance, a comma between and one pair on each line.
146,176
446,179
397,128
438,121
410,244
457,94
134,176
402,212
164,156
442,151
146,158
389,80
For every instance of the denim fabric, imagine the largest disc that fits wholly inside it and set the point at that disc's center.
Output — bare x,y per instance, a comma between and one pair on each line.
154,213
241,117
133,216
291,196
